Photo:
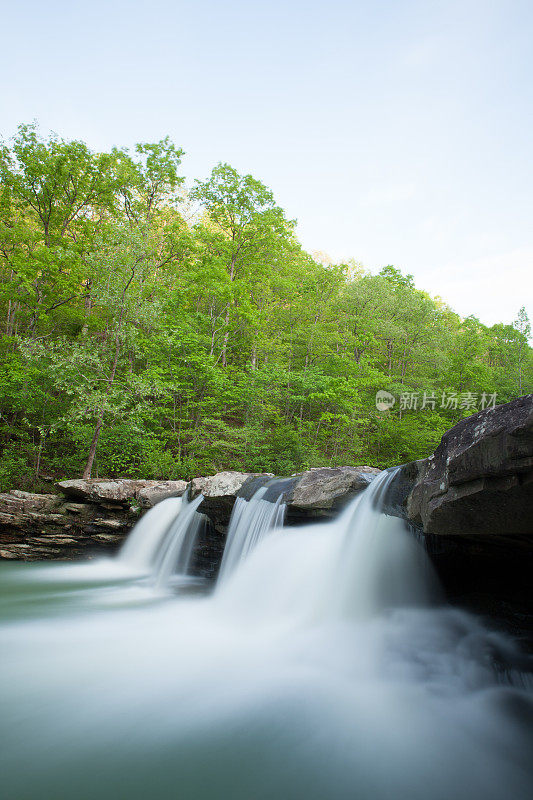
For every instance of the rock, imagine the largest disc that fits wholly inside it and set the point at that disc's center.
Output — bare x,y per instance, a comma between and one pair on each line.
9,519
96,491
150,495
113,524
77,508
479,481
324,490
47,519
63,540
114,494
34,527
220,492
315,493
17,501
222,484
9,554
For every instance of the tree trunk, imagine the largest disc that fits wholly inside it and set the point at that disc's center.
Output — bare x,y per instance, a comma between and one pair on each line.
225,341
92,450
39,455
100,420
226,335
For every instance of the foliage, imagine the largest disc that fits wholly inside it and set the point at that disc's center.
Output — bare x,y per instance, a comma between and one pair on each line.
151,332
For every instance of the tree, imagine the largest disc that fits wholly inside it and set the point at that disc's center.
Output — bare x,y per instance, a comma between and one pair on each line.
241,233
523,326
142,339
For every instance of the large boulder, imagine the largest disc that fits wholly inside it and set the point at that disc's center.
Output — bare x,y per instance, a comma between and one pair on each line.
322,491
94,490
479,481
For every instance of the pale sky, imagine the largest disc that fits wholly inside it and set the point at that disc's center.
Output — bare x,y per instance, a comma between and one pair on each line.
395,132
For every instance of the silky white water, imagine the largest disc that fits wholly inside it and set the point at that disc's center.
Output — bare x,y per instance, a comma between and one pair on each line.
324,667
251,521
162,543
140,548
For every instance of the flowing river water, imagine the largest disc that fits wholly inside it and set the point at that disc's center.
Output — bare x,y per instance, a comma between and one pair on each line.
323,666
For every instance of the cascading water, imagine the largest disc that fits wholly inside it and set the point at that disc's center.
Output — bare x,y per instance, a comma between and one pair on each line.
140,548
321,668
251,520
380,564
163,540
175,552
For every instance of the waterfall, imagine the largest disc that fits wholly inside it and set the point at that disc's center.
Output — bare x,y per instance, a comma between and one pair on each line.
380,564
251,520
141,546
320,667
162,542
355,566
176,549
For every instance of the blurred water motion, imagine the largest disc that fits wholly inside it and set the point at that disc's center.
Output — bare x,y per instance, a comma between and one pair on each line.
322,667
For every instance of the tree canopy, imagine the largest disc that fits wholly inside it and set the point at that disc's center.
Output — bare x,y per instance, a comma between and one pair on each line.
147,331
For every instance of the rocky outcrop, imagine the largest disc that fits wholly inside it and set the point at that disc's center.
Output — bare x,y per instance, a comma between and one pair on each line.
39,526
479,481
121,491
308,495
35,526
94,516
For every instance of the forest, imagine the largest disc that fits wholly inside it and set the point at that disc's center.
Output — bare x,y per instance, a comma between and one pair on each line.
150,329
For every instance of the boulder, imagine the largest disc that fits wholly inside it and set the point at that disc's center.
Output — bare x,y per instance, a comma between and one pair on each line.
94,490
222,484
220,492
479,481
150,495
323,490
